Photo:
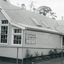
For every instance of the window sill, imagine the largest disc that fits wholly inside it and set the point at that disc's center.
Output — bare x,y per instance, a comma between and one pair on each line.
16,44
3,43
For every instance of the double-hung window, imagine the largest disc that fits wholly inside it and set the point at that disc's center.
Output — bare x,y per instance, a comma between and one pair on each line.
4,31
17,36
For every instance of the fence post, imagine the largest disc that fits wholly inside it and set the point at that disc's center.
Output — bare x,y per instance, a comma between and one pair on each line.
22,55
62,57
17,55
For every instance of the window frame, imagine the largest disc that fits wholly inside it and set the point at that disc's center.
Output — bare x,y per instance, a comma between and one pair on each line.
37,23
7,33
12,41
4,23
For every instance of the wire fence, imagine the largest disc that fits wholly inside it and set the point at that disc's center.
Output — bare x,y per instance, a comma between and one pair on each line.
31,55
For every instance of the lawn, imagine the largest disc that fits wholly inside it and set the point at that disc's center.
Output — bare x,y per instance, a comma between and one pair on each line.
51,61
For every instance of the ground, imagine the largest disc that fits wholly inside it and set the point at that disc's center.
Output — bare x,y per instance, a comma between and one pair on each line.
51,61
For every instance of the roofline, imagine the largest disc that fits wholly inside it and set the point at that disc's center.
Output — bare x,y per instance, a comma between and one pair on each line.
28,27
43,30
8,18
22,27
5,14
33,28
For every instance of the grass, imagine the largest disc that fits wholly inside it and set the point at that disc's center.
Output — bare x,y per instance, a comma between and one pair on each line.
51,61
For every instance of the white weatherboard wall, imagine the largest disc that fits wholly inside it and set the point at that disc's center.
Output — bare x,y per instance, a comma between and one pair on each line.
43,40
10,52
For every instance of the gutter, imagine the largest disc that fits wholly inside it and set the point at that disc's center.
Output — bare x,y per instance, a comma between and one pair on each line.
43,30
38,29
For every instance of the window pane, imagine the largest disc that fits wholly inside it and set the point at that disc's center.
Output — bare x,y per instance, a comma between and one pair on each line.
17,39
4,21
17,30
4,32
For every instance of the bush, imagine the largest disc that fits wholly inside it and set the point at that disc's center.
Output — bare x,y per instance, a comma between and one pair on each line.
42,54
36,54
55,51
51,53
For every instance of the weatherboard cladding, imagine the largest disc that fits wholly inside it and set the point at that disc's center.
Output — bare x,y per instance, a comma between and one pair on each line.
24,16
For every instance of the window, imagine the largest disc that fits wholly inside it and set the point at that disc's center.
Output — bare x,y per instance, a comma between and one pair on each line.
36,22
17,30
4,32
4,21
17,36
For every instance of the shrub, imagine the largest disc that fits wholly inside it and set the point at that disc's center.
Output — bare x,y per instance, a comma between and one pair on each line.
42,54
55,51
51,53
36,54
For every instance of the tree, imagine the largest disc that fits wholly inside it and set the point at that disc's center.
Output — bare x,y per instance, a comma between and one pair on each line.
53,15
46,10
32,7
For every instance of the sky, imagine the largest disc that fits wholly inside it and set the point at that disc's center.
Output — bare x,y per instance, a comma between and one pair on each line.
57,6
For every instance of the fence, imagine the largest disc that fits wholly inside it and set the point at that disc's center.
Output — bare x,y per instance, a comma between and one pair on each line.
31,55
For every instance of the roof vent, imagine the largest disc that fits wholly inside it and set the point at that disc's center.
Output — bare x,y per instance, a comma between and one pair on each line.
36,22
45,24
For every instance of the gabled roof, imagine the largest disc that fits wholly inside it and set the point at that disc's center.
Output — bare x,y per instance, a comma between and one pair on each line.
7,5
20,16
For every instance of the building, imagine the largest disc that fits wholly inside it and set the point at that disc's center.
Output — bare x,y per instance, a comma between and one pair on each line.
23,28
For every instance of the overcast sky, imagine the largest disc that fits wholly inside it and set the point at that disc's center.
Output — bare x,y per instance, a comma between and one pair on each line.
57,6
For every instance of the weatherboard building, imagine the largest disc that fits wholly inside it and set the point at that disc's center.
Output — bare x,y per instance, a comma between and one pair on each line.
23,28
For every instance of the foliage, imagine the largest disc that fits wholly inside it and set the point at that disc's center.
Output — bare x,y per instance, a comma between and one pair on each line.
55,51
32,7
46,10
36,54
31,56
51,52
42,54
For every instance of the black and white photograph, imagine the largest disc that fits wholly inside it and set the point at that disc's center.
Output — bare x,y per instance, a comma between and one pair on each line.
31,31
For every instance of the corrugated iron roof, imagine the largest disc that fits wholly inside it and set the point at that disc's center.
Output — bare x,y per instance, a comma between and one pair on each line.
23,16
7,5
60,26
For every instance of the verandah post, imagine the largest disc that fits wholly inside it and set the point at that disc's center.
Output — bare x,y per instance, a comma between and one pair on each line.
62,57
17,55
